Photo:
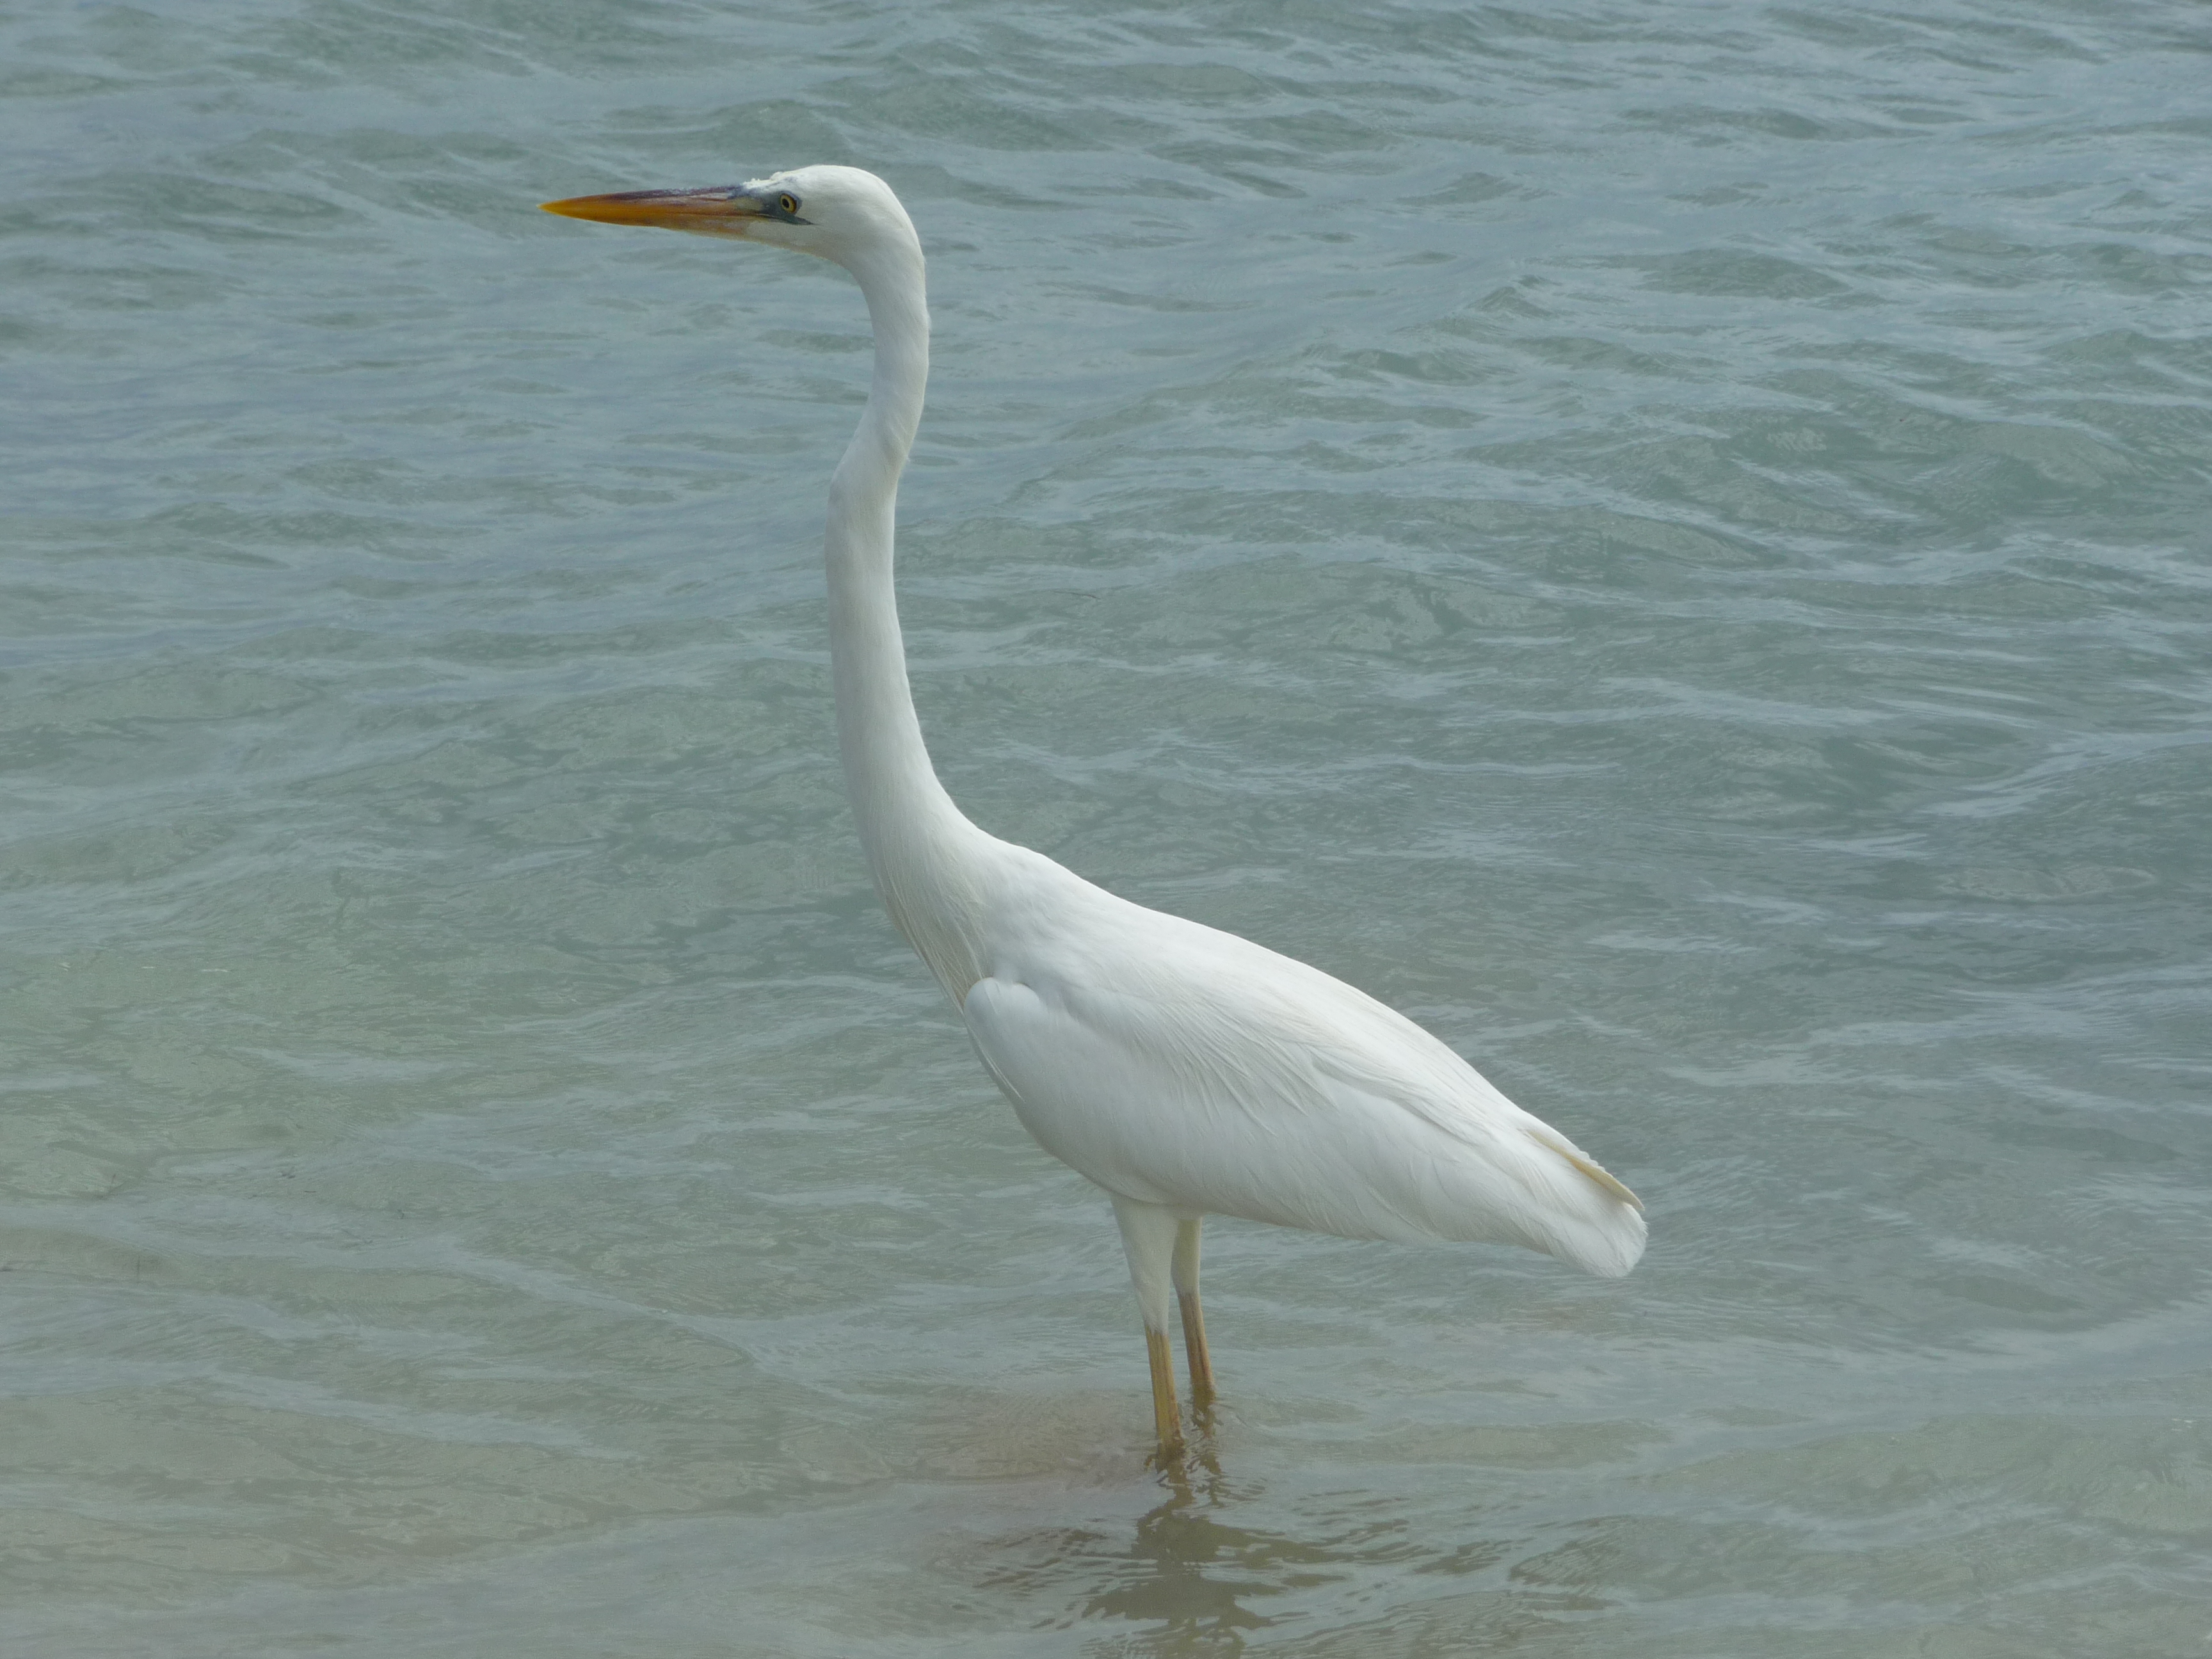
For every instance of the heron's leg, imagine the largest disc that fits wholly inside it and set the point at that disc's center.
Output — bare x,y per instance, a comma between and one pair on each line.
1148,1237
1194,1320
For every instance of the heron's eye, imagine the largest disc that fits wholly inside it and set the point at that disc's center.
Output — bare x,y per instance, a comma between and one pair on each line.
787,202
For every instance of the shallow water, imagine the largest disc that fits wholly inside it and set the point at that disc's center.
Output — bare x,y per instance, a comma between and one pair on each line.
1667,541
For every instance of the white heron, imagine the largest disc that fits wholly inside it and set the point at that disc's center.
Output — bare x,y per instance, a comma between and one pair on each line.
1188,1072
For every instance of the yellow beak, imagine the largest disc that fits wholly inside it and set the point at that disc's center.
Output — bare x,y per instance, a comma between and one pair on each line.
723,210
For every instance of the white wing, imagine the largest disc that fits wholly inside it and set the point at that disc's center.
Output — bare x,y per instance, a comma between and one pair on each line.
1178,1065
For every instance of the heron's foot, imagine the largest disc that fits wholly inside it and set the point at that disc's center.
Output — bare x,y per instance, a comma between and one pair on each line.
1189,1457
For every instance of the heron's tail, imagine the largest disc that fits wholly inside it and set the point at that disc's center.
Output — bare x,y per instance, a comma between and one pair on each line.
1594,1221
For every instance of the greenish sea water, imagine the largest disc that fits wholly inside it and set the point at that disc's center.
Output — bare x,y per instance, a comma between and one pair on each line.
1667,540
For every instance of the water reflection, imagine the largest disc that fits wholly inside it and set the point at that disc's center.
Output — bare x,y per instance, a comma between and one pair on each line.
1197,1582
1189,1574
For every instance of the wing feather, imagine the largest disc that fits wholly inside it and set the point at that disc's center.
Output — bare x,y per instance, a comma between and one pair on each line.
1195,1069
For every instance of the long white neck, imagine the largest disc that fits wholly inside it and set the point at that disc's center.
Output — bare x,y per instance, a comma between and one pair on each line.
923,853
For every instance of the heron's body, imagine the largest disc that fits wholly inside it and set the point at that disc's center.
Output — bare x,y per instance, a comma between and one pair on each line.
1179,1065
1187,1071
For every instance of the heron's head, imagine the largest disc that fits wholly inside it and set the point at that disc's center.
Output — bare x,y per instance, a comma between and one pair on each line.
839,214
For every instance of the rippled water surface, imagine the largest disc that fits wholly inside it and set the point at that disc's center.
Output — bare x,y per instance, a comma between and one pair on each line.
1667,540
